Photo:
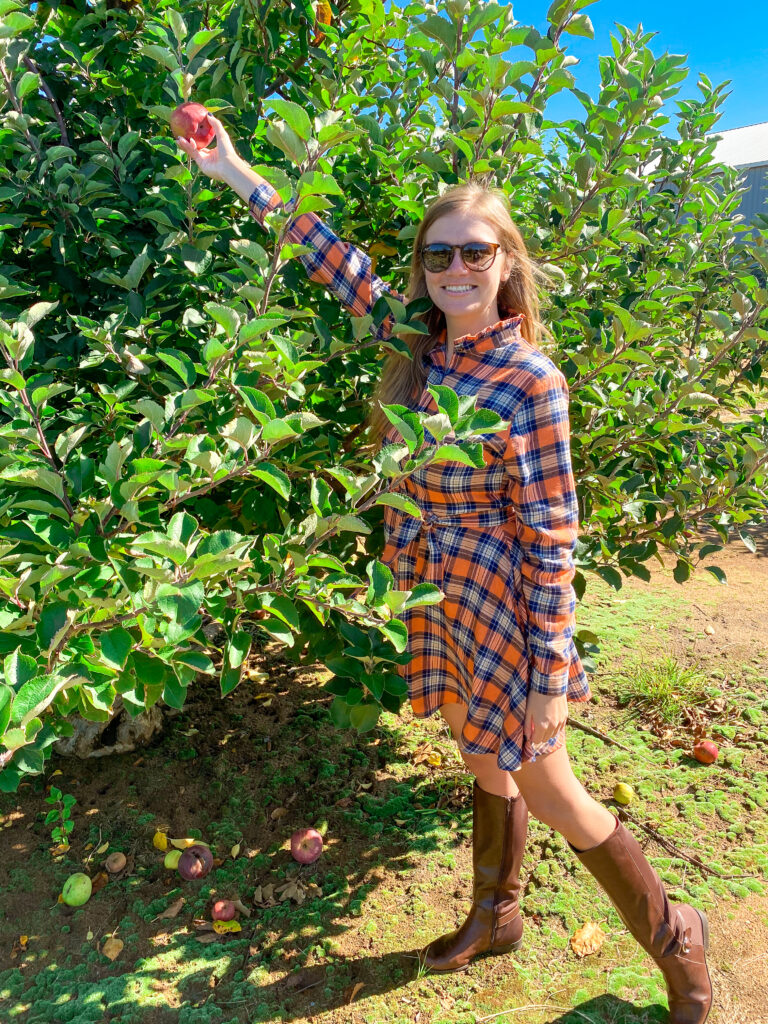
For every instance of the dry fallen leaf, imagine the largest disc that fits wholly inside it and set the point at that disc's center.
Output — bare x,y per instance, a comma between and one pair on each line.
587,939
112,948
355,990
99,881
222,927
172,910
278,812
241,908
235,850
103,848
709,630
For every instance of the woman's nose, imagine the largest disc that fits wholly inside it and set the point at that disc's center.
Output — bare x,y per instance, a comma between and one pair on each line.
457,263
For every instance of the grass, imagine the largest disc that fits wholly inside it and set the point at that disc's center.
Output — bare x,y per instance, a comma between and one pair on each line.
665,689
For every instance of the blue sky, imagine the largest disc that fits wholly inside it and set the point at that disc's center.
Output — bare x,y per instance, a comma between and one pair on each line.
727,41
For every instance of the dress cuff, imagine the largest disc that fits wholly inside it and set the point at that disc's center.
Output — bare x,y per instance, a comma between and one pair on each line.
264,198
551,685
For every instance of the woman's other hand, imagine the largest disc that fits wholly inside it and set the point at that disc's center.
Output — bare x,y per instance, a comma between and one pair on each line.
545,716
217,163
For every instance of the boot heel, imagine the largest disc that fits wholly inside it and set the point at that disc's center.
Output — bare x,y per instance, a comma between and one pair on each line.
507,949
705,926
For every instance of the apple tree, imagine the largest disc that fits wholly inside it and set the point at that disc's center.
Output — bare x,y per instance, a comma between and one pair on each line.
184,473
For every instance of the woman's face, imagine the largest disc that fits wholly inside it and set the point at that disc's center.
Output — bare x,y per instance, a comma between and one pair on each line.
470,309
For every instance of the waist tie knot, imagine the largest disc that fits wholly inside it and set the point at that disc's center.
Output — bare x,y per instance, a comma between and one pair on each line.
413,529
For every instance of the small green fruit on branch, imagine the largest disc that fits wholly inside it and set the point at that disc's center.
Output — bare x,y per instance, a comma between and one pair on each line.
191,122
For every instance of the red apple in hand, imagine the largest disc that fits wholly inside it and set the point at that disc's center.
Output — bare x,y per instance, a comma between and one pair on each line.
191,121
306,845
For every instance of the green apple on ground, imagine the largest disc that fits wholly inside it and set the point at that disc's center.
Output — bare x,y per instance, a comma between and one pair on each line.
77,890
623,794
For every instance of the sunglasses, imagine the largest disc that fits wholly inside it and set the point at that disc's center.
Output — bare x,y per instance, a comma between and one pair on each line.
476,255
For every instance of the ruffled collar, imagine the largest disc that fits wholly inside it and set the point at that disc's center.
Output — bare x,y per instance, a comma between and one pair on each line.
501,333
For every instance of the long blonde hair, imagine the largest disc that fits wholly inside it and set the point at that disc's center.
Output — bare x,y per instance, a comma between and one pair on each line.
403,379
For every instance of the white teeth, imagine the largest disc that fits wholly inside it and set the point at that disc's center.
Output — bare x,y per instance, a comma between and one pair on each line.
460,288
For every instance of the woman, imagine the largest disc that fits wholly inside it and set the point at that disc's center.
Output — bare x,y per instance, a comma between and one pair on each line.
496,656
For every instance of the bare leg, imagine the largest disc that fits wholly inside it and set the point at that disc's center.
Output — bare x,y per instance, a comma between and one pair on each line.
555,796
483,766
552,792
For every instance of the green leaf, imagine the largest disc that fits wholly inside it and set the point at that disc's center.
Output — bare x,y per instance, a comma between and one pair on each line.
274,477
399,501
116,645
180,363
224,315
6,700
364,717
397,633
717,573
611,576
235,653
294,115
45,479
180,604
18,669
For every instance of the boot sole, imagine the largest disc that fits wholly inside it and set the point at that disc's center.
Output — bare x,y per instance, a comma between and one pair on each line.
497,951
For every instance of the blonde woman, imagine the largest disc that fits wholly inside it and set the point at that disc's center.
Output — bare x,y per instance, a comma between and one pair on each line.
496,657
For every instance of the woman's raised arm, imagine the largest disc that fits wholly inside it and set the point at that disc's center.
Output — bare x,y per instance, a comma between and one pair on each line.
340,266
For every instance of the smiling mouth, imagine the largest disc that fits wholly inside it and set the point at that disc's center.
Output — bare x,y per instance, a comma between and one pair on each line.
465,290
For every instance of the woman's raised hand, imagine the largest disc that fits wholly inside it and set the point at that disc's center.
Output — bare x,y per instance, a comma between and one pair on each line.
216,163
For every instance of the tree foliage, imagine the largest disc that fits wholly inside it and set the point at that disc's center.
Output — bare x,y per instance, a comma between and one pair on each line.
180,410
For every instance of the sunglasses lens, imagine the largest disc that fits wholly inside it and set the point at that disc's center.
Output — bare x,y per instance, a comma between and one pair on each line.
437,257
477,255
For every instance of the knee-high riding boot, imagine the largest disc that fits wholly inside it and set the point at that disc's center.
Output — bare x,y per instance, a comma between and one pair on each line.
494,924
675,935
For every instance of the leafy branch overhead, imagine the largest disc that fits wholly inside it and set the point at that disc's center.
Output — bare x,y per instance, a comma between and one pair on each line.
183,473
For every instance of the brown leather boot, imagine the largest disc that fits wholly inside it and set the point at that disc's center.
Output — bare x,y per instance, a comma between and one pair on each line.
494,924
676,935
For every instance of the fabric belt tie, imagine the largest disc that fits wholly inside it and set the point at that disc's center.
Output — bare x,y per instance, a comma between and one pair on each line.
412,530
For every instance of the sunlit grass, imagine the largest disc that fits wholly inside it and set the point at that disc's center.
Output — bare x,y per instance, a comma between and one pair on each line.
664,689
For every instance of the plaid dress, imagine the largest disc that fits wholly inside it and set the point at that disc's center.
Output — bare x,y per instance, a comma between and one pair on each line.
498,541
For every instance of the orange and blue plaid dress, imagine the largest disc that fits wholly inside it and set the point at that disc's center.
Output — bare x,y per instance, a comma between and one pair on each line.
498,541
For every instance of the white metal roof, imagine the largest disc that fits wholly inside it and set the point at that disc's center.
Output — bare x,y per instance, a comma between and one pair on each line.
742,147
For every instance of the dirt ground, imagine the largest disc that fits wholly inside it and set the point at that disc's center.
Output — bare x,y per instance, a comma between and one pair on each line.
213,769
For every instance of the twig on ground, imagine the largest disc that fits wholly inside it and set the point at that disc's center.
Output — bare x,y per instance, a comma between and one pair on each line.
672,848
600,735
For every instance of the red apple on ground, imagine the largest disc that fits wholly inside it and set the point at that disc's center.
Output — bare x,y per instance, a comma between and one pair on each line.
223,910
306,845
705,751
191,121
195,862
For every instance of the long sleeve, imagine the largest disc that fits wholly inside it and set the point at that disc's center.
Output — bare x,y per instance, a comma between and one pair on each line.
543,492
340,266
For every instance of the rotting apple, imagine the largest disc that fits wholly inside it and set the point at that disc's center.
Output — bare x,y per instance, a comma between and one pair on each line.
223,910
306,845
191,121
115,862
195,863
705,751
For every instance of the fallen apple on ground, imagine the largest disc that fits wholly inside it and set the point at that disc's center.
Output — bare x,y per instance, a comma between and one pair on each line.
223,910
195,863
115,862
76,890
623,794
171,859
705,751
306,845
191,122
